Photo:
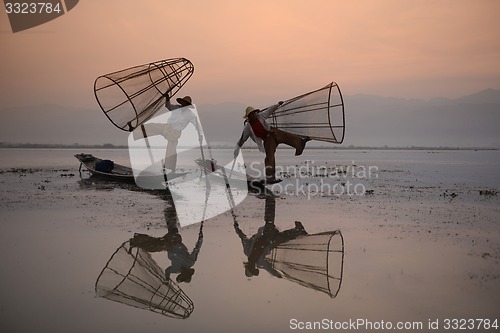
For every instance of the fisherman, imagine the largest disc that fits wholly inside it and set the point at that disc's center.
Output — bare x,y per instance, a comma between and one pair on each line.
268,138
181,116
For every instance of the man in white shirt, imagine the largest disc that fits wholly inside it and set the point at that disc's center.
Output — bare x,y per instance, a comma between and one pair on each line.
180,117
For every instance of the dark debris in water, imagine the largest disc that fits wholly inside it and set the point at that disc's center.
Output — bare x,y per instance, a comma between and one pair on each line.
67,174
485,255
445,194
23,170
487,192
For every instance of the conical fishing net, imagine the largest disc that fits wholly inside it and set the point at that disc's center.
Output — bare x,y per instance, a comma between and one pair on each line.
131,96
318,114
132,277
314,261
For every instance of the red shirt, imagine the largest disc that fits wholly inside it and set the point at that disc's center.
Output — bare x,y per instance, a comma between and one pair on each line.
258,129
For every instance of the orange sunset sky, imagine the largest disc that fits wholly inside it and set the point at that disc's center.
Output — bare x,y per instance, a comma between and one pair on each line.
259,51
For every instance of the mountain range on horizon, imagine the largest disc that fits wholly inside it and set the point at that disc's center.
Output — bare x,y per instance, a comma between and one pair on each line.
377,121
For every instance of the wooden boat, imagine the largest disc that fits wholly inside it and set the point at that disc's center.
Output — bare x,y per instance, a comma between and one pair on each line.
119,172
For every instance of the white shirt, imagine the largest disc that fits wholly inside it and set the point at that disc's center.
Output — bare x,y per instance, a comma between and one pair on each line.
181,116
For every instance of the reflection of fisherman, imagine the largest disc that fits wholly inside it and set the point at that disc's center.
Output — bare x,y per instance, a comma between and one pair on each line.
267,237
181,115
182,261
268,138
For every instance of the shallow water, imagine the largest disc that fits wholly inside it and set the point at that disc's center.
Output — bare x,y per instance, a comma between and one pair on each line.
413,252
450,166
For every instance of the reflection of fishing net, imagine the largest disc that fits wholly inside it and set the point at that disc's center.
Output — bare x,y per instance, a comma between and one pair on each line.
131,96
132,277
318,114
314,261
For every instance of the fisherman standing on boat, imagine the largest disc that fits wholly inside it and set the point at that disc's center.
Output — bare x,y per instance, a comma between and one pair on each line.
180,117
268,138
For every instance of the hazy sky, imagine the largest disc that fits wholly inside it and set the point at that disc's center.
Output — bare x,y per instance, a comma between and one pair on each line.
256,52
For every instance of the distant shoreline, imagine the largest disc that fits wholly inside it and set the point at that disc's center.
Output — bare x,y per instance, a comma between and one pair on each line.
336,147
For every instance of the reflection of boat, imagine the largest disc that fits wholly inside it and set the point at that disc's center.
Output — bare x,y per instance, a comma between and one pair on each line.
132,277
118,172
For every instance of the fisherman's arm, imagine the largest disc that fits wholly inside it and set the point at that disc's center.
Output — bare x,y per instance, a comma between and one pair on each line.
197,125
240,233
171,106
168,271
244,137
270,110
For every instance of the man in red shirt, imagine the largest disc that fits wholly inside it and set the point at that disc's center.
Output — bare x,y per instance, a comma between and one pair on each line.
268,138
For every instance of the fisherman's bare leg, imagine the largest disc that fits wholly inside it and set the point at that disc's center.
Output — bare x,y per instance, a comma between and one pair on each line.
270,145
296,141
172,137
171,155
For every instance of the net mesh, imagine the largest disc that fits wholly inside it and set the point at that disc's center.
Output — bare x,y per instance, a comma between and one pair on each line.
318,114
132,277
314,261
131,96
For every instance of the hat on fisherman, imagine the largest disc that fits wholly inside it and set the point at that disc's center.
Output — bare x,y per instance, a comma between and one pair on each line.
186,100
249,110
